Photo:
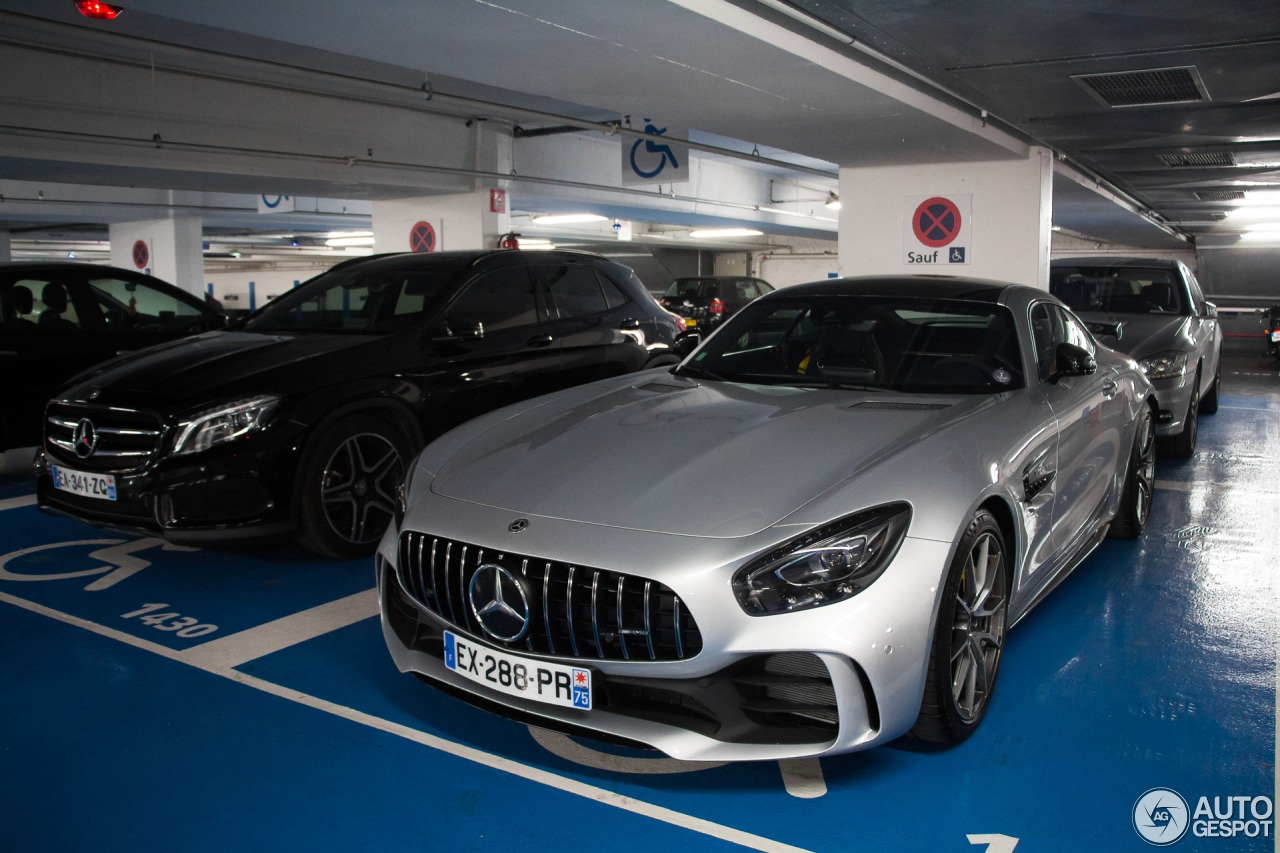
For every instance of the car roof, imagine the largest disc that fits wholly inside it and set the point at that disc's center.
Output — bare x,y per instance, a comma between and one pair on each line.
718,277
458,260
926,286
1105,261
73,265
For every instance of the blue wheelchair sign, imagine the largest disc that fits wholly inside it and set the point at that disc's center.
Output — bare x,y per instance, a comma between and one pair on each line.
652,160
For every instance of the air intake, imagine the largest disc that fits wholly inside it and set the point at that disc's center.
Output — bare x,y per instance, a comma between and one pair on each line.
1182,161
1220,195
1145,88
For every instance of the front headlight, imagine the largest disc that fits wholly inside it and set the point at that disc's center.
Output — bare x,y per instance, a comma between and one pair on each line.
223,422
1165,365
826,565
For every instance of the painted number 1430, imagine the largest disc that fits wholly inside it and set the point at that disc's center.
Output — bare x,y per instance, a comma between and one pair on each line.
185,626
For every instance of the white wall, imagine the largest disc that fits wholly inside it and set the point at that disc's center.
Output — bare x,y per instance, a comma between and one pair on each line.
1009,226
462,222
175,249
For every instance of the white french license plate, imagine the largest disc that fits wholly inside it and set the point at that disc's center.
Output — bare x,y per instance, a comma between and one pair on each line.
553,683
1275,336
83,483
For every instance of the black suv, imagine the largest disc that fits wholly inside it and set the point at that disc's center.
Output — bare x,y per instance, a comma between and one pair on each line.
56,319
706,301
302,417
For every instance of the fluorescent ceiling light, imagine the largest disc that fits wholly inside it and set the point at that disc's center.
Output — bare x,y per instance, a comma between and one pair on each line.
1254,213
713,233
1261,235
536,247
349,241
1273,227
568,218
808,20
833,201
331,234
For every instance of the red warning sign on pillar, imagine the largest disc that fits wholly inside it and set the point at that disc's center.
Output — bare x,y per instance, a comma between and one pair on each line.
936,230
422,237
141,255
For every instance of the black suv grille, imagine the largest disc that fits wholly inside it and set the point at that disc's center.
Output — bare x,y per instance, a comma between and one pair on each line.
126,438
575,611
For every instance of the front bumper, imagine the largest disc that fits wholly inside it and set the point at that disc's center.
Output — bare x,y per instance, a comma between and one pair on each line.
1173,398
874,647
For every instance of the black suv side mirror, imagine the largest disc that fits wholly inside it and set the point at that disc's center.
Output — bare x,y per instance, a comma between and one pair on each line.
1072,360
631,323
1110,330
460,331
1210,310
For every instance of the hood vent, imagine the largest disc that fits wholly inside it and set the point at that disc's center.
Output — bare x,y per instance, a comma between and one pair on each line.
888,406
1220,195
1182,161
1146,88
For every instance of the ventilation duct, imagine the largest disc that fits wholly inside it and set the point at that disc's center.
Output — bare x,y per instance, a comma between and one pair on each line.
1181,161
1145,88
1220,195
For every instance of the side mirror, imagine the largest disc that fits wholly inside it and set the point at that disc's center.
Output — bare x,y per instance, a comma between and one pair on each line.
1110,330
1210,310
629,325
686,342
461,331
1072,360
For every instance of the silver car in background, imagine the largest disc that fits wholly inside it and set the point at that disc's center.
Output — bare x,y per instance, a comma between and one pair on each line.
809,537
1163,322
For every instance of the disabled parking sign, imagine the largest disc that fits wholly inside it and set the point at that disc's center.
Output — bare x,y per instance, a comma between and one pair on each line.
660,158
936,230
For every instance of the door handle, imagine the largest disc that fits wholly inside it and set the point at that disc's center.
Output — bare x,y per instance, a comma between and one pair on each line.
8,352
540,341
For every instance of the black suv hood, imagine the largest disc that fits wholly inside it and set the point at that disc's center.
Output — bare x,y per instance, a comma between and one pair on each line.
218,365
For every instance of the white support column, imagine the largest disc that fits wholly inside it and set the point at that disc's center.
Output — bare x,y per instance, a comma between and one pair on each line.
173,250
6,251
1008,205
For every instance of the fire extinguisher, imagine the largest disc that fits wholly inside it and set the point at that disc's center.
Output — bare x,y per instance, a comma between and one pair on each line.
510,240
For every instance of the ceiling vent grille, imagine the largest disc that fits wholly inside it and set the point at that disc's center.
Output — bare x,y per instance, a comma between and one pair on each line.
1145,88
1181,161
1220,195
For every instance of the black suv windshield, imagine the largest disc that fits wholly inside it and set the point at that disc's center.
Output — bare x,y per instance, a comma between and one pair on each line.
912,345
358,300
1118,290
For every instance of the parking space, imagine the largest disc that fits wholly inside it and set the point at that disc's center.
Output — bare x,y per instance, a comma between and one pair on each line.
272,714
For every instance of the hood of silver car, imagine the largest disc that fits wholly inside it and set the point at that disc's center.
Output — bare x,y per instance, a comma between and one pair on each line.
714,459
1144,334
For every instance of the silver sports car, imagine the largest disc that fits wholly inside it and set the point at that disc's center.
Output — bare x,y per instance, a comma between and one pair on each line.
809,537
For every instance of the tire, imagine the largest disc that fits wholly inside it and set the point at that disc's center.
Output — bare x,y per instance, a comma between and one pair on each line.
1139,482
1209,402
1183,445
348,483
968,639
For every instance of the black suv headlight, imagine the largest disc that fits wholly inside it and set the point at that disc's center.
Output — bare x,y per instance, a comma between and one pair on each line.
825,565
227,421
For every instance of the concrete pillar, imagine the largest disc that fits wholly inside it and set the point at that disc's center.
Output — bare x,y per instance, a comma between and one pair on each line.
173,252
6,248
1005,207
453,222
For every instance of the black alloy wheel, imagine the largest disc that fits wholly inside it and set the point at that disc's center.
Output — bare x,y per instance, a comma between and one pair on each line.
351,478
969,636
1139,482
1183,445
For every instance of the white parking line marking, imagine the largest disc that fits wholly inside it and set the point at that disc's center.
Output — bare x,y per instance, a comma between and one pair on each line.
1173,485
236,649
15,503
506,765
803,777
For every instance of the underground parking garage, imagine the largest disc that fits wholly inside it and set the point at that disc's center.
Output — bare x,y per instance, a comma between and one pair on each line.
448,424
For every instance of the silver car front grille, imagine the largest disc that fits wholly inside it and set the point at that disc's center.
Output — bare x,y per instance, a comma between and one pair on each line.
575,611
123,438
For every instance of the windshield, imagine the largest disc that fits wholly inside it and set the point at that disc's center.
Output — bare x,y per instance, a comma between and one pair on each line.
358,300
1118,290
911,345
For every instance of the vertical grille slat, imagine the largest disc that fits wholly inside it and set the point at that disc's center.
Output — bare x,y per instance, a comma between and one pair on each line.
574,605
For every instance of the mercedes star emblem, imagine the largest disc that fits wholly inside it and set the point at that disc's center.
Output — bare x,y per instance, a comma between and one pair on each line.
85,440
500,602
517,525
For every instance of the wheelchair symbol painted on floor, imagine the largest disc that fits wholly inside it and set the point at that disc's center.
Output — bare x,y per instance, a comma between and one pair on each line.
651,147
118,556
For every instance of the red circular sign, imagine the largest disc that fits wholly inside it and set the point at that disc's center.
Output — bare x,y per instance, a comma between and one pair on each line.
936,222
141,255
422,238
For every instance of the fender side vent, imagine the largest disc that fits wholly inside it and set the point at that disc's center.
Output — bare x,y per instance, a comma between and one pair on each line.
1145,88
888,406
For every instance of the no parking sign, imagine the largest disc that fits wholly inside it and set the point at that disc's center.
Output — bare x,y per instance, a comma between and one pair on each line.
936,229
422,237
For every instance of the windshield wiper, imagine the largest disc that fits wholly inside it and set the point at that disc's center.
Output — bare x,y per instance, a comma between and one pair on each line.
701,372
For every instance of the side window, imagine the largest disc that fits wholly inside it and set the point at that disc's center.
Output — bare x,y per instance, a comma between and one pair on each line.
130,306
575,291
1047,333
613,294
764,287
745,288
502,299
1076,334
39,303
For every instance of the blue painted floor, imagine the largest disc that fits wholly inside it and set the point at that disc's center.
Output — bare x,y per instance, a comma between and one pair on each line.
1153,665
